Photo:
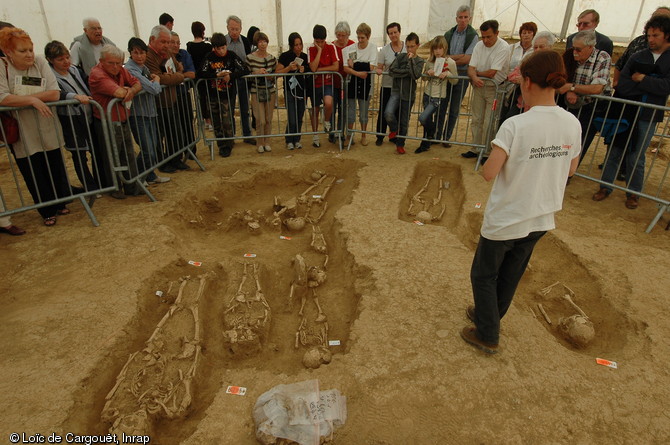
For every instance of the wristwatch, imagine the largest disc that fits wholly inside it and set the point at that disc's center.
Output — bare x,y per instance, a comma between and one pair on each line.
572,88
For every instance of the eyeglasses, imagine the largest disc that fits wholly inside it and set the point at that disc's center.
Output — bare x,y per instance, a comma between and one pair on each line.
578,49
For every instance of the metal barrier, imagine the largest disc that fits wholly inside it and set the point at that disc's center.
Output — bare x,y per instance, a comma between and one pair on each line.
621,135
163,130
38,159
452,120
279,109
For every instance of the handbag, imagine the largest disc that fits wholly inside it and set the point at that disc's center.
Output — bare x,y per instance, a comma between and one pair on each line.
10,126
263,87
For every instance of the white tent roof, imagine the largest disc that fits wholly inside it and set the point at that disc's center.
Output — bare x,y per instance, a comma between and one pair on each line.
47,20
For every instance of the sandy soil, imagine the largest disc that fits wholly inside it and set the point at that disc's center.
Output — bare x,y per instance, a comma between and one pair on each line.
77,300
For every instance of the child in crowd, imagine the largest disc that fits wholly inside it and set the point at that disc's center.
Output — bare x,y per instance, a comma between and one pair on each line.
223,67
439,67
405,70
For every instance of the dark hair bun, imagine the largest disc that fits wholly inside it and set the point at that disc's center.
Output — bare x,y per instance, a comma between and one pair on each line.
556,79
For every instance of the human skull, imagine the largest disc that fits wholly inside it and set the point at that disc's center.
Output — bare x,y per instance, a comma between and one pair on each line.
424,217
316,356
577,329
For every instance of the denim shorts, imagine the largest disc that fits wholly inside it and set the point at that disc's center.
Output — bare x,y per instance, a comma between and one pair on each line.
320,93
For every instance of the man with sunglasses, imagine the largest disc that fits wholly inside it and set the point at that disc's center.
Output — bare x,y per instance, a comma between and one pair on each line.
588,20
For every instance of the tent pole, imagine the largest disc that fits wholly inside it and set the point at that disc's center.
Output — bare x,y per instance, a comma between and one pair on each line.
211,16
46,22
386,20
133,14
516,17
637,21
280,28
566,19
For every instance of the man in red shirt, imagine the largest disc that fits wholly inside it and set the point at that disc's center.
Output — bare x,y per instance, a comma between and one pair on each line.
322,57
109,80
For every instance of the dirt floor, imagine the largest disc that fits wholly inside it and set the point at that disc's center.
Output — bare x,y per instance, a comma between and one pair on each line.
79,300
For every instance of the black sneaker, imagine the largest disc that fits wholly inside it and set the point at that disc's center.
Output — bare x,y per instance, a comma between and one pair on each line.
421,149
180,165
331,138
469,155
224,152
251,141
379,142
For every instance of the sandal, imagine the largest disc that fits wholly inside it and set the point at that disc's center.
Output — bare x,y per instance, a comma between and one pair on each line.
63,211
50,221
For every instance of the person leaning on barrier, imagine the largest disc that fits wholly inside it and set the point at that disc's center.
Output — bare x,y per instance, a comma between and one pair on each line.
240,46
543,40
532,157
223,68
263,90
76,121
358,60
342,40
109,80
143,113
294,61
184,103
438,68
162,63
461,41
489,66
639,43
588,20
518,51
591,76
198,49
85,49
27,80
644,78
385,57
405,70
322,57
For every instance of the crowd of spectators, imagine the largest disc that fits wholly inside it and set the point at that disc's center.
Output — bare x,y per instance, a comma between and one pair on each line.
161,119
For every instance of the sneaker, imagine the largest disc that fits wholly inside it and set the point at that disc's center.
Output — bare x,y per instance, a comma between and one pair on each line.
331,138
290,146
167,168
470,313
379,142
298,145
469,155
208,127
145,183
315,141
326,127
400,150
250,141
160,180
446,144
181,165
117,194
260,149
421,149
469,334
267,148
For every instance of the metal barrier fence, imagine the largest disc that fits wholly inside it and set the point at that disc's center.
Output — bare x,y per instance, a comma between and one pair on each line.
441,114
39,168
278,109
162,127
616,134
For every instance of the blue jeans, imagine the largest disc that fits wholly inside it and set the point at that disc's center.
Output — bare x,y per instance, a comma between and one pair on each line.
432,117
400,108
454,97
496,271
145,132
632,147
242,91
295,108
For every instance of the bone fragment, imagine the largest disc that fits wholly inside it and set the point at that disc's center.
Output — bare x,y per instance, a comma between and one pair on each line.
544,314
567,298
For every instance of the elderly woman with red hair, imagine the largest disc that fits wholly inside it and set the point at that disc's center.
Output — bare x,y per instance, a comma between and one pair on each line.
27,80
